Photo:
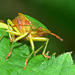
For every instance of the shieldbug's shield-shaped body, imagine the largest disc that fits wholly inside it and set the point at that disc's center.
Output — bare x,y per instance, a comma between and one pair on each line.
22,28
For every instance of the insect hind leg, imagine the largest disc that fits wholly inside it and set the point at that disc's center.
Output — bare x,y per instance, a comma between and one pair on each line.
46,43
39,49
43,53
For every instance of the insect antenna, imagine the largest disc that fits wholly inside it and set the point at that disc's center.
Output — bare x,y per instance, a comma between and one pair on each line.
56,36
53,34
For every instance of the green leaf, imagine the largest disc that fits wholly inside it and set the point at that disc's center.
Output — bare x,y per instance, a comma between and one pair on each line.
38,65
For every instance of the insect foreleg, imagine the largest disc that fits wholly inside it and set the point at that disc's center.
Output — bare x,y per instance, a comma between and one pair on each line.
46,43
10,35
10,22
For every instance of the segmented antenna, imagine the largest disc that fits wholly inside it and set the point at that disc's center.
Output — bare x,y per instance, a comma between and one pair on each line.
56,36
53,34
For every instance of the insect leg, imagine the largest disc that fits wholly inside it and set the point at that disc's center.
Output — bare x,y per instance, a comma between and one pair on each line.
28,59
18,38
9,31
4,25
2,35
39,49
31,42
10,35
46,43
10,51
45,49
11,23
32,45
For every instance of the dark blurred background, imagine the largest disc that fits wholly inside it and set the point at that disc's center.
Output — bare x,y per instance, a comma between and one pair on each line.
57,15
